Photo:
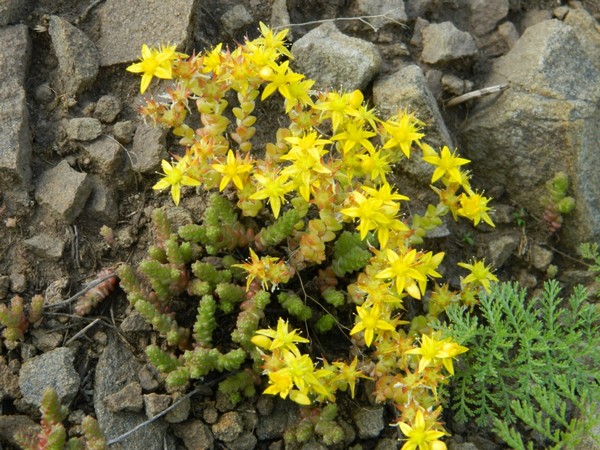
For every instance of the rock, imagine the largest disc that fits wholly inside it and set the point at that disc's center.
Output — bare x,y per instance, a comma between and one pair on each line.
387,444
417,37
282,416
180,412
148,149
417,8
46,340
156,403
453,84
18,282
335,60
236,18
151,22
64,191
52,369
196,435
9,382
369,422
134,322
45,246
105,154
127,399
545,123
587,31
540,257
101,208
43,93
280,17
77,56
407,89
117,367
444,43
246,441
11,425
4,285
147,379
484,15
533,17
392,9
509,34
500,247
15,135
107,108
210,414
229,427
123,131
84,129
11,12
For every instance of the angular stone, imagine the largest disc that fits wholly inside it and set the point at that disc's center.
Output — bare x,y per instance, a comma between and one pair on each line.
15,135
180,412
485,14
84,129
123,131
106,155
45,246
101,208
52,369
229,427
125,26
392,9
148,148
236,18
107,108
335,60
9,382
156,403
587,31
127,399
540,257
369,422
12,11
500,247
64,191
78,57
546,122
116,368
444,43
196,435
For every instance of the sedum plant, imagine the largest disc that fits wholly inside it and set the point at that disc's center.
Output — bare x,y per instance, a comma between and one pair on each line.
307,221
532,365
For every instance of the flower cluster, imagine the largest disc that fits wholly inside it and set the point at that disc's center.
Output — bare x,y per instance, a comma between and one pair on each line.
328,169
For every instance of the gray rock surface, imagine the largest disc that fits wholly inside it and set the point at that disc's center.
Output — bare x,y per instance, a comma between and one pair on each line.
156,403
12,11
336,60
117,367
9,381
148,148
52,369
127,399
444,43
151,22
235,18
107,108
546,122
11,425
84,128
392,10
485,14
77,56
500,247
105,154
63,190
15,135
123,131
102,208
407,89
229,427
45,246
196,435
587,30
369,422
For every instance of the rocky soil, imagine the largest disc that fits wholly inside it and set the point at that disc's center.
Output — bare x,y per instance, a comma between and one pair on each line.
75,156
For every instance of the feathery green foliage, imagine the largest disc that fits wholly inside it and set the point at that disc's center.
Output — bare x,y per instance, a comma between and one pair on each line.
531,362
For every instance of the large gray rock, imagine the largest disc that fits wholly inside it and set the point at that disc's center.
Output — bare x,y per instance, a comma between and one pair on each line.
390,11
484,14
52,369
125,26
443,43
15,136
546,122
117,367
336,60
64,191
587,30
148,148
407,90
12,11
77,56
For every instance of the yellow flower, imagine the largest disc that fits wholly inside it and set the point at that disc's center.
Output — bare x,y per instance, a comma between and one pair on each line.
354,136
268,269
273,41
403,129
155,63
370,322
474,206
232,170
274,187
348,375
480,274
447,164
282,338
432,350
279,77
175,177
420,435
405,271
